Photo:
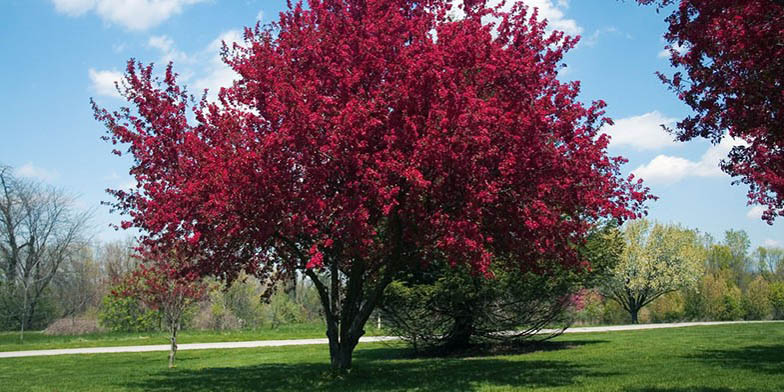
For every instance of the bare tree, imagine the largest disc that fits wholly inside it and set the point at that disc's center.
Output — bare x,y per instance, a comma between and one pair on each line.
39,229
117,258
77,287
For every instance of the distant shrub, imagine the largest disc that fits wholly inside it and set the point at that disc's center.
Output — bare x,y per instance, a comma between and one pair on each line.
756,301
282,309
668,308
122,313
777,300
214,316
732,305
716,298
74,326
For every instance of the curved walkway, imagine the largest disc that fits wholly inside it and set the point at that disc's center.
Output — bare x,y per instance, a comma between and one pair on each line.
298,342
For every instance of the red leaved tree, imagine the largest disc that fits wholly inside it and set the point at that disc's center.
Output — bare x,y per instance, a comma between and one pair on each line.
732,54
365,137
167,283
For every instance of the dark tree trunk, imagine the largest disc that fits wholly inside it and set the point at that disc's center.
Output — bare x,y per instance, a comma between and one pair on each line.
342,350
634,313
462,330
347,314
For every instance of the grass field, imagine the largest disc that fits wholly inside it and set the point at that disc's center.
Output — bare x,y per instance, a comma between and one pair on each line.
715,359
9,341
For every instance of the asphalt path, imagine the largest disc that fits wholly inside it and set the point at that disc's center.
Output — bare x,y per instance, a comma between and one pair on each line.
299,342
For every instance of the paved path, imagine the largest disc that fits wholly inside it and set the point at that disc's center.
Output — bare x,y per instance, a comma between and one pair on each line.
298,342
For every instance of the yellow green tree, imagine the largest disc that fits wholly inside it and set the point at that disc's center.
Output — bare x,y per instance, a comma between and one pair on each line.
656,259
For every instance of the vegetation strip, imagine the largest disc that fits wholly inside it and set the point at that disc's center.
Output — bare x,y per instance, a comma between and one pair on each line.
301,342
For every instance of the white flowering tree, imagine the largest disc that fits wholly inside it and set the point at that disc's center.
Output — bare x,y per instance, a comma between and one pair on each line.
656,259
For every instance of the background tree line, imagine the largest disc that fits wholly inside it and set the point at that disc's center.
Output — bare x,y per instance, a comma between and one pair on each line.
53,276
702,279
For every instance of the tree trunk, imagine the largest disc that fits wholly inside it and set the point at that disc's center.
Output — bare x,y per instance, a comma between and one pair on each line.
634,313
23,319
347,315
340,358
463,329
173,350
341,345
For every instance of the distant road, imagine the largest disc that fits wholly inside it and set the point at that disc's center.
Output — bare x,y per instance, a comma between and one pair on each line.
299,342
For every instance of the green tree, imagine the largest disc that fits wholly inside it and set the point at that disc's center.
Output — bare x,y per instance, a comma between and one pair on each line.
756,300
770,261
448,308
777,299
122,313
656,259
738,243
715,298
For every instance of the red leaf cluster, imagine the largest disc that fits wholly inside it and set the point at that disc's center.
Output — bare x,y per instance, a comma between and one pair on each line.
732,53
374,131
165,282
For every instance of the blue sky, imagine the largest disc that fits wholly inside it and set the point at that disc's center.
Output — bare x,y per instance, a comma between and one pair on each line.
59,53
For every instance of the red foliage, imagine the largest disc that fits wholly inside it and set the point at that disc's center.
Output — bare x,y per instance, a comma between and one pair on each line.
166,283
733,57
366,137
354,127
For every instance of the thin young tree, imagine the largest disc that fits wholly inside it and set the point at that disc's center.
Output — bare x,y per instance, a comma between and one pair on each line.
163,282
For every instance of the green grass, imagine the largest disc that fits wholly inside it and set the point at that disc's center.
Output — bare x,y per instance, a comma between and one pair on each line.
9,341
715,359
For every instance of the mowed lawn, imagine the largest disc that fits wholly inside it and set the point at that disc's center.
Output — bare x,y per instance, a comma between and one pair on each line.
9,341
746,357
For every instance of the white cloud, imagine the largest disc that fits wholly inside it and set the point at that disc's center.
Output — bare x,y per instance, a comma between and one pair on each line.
168,51
771,243
118,48
260,16
201,69
552,11
755,213
593,39
73,7
665,53
132,14
30,171
666,169
161,42
103,82
216,73
641,132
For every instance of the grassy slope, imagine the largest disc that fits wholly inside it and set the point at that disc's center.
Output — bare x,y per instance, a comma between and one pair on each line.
9,341
714,359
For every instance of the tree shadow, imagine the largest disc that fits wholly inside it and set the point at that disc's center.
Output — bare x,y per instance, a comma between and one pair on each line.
381,369
475,351
763,359
690,389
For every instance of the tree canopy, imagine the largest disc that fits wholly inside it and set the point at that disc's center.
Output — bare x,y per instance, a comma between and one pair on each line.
654,260
730,60
367,136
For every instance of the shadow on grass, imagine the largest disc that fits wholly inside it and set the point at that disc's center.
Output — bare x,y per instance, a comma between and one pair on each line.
690,389
763,359
478,350
382,369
